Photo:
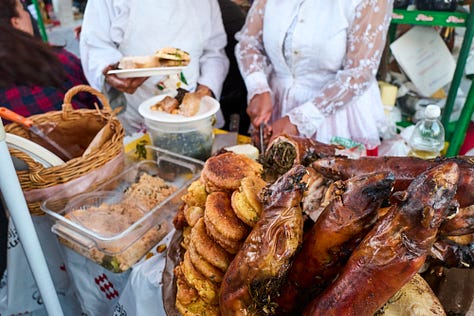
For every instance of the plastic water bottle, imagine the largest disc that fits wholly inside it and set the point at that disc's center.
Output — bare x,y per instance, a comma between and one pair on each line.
427,139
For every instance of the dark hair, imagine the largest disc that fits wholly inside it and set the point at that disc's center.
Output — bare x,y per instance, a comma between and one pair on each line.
25,59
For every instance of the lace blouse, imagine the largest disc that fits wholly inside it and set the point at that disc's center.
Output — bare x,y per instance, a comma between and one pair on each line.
317,59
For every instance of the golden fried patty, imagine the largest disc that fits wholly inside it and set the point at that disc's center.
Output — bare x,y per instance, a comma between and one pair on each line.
207,248
219,212
208,270
184,292
243,210
225,171
196,194
206,289
198,308
188,301
186,237
193,214
231,246
246,202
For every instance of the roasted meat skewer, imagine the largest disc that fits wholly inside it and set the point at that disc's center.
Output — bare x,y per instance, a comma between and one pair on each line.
256,273
327,246
394,250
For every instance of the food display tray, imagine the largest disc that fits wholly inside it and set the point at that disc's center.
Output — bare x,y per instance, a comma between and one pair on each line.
117,252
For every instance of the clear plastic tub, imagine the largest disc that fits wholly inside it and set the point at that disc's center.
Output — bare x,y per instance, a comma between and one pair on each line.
192,139
115,227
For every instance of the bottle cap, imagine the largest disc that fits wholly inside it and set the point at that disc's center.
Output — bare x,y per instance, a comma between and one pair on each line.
432,111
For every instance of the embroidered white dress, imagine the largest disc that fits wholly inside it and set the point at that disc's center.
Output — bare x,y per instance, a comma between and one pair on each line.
318,59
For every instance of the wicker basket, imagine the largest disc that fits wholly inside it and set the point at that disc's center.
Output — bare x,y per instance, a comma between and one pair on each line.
83,172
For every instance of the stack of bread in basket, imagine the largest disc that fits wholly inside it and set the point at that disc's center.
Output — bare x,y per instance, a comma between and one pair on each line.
218,213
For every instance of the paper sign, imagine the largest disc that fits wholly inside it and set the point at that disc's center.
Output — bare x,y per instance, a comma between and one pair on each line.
425,58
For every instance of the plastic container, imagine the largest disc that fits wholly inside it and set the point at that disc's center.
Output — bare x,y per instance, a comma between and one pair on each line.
427,139
121,245
191,136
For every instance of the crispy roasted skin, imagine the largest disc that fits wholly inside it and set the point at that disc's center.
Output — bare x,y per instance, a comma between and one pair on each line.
451,254
220,214
256,273
224,172
349,216
405,170
461,224
394,250
207,248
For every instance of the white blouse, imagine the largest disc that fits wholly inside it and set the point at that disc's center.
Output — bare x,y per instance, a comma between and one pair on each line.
318,59
115,28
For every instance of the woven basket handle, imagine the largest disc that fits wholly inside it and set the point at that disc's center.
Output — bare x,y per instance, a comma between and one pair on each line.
33,166
67,105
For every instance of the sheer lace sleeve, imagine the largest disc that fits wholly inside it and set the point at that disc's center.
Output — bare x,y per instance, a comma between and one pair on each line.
250,53
366,40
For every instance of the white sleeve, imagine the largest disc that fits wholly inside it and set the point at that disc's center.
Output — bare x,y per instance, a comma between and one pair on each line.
102,30
365,44
250,53
213,63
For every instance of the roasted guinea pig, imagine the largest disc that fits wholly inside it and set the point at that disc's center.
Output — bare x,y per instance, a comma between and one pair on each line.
405,170
394,250
337,231
257,271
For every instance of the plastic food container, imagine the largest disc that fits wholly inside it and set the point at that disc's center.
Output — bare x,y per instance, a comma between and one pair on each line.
115,226
191,136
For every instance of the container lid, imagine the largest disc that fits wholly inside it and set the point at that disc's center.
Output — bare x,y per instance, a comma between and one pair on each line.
432,111
208,107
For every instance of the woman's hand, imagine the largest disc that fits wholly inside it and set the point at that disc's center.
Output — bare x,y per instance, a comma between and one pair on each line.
283,126
260,109
204,90
127,85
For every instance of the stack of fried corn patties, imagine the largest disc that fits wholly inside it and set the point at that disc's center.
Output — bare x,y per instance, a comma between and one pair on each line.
219,211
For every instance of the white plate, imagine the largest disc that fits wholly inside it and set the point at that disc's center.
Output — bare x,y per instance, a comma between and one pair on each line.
36,152
146,72
208,107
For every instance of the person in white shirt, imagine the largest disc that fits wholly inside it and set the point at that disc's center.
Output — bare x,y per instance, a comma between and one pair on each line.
310,66
113,29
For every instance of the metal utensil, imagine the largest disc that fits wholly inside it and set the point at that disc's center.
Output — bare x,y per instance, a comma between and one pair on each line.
35,129
261,131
